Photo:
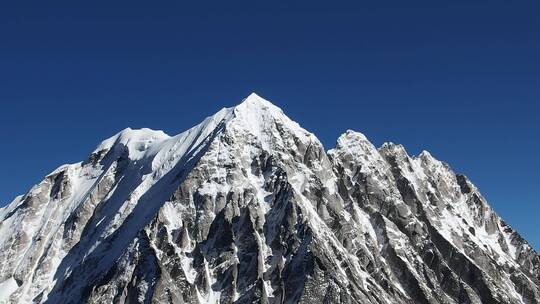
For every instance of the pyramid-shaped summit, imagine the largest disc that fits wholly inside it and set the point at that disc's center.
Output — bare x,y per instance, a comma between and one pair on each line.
248,207
254,114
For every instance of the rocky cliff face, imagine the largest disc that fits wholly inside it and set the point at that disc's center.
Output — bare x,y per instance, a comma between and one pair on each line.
248,207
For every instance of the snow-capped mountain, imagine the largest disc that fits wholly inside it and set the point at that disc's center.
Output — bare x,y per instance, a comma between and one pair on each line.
248,207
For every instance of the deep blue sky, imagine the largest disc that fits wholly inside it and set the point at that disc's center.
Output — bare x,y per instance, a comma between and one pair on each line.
461,80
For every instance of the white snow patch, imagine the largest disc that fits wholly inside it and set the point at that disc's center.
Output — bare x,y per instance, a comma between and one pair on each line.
7,288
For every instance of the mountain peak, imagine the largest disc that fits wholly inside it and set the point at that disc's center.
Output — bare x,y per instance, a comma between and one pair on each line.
259,115
254,97
246,206
255,105
135,139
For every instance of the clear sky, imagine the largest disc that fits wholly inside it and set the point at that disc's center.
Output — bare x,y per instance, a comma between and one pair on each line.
459,79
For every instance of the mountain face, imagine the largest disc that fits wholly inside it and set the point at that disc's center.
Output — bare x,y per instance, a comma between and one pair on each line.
248,207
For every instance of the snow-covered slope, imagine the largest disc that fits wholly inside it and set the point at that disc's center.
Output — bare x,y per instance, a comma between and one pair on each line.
248,207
